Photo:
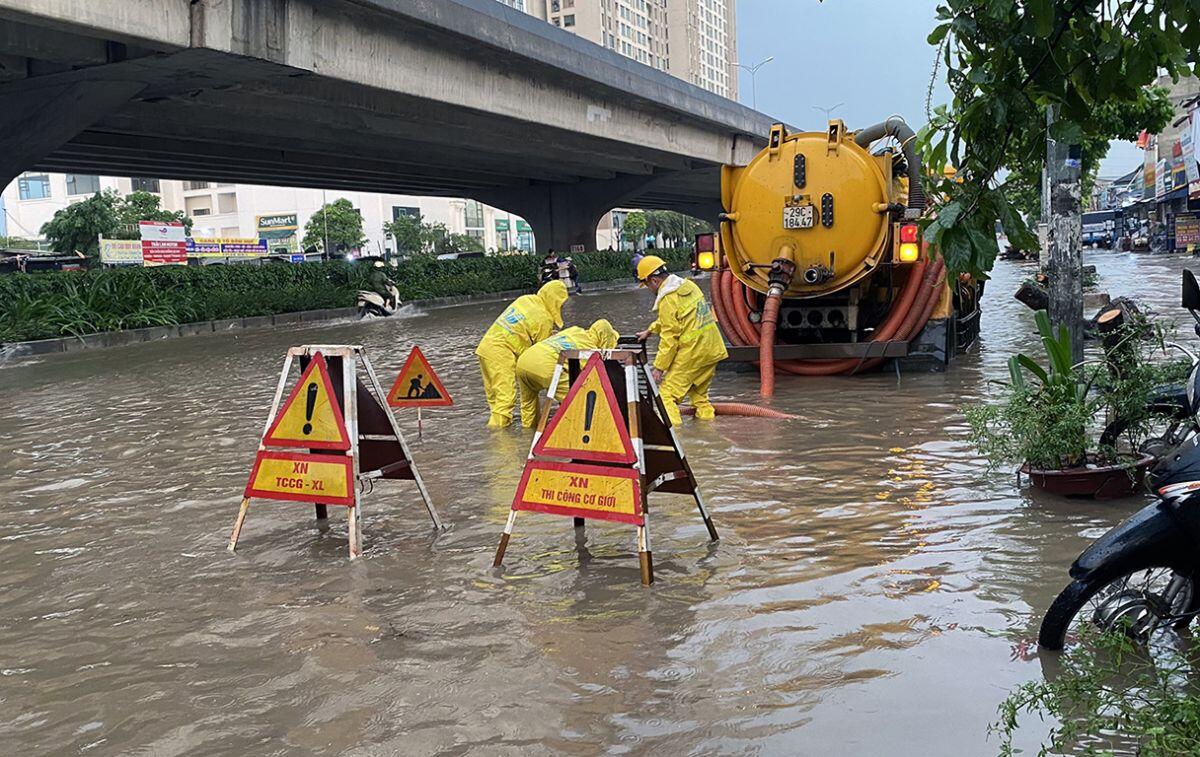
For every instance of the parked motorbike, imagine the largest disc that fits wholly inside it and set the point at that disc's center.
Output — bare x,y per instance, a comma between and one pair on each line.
1142,576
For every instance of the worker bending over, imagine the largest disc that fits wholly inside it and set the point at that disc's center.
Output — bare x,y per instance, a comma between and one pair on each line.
535,367
690,344
527,321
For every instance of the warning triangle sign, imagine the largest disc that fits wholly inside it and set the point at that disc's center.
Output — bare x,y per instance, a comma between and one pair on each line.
310,418
589,425
417,385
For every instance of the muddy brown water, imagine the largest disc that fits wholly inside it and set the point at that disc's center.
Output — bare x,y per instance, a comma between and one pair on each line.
876,589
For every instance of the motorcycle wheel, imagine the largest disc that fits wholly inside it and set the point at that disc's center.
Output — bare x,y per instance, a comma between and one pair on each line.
1134,601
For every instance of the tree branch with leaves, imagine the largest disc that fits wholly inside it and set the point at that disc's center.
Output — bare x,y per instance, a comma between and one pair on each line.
1006,61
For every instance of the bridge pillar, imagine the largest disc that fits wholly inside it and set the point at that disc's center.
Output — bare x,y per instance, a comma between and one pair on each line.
37,118
566,215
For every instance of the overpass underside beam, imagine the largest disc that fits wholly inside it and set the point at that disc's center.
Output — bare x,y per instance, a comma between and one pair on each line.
564,216
35,120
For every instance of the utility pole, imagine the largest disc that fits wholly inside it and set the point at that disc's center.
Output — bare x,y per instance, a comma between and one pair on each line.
1064,238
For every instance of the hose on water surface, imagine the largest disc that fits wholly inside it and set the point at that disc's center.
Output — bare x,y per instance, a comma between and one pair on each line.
742,409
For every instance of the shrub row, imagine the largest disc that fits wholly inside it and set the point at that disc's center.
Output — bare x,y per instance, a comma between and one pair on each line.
45,305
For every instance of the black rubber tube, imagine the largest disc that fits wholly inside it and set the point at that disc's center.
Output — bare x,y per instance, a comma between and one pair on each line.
895,127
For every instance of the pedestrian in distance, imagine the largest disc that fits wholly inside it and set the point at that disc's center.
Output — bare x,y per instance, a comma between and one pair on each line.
528,320
535,368
690,344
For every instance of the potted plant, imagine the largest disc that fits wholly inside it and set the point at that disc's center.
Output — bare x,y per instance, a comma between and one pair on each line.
1048,417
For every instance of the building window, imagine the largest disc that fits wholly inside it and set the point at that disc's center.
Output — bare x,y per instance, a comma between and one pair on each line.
146,185
201,211
411,212
34,187
473,216
569,20
191,185
82,184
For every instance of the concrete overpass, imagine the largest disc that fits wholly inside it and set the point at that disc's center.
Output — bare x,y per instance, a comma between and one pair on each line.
462,98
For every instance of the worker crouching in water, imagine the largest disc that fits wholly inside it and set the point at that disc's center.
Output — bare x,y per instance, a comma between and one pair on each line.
535,367
527,321
690,344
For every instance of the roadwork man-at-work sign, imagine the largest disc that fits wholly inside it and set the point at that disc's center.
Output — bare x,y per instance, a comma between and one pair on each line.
349,435
607,454
418,385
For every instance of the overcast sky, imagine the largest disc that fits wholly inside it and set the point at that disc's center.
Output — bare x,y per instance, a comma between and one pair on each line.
870,56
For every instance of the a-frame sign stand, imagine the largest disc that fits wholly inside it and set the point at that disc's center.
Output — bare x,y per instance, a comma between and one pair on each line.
350,436
598,460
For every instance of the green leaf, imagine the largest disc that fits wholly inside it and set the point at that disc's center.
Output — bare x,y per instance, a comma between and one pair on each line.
1042,14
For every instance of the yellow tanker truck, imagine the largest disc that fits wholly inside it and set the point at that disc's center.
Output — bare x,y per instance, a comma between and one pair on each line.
820,267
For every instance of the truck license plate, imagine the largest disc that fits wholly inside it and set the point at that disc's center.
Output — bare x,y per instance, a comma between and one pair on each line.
798,217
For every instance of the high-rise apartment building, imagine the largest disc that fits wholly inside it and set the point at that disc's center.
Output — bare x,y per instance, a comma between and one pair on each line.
704,43
695,40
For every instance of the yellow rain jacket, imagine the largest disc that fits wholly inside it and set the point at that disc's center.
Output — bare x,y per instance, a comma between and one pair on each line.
535,367
690,346
527,321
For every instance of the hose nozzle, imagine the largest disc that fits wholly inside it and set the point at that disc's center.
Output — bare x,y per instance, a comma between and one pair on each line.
783,270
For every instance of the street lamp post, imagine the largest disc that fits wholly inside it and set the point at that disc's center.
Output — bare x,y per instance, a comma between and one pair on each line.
754,79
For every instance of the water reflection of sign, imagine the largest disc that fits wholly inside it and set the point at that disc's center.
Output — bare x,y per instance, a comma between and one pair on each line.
1187,231
163,243
418,385
118,251
223,247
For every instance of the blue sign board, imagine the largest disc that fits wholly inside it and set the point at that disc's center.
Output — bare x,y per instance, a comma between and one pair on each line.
298,258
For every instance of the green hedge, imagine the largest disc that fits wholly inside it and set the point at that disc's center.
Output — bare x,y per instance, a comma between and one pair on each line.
45,305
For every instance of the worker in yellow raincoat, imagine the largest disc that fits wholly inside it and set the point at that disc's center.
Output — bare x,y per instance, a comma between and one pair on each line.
535,367
527,321
690,344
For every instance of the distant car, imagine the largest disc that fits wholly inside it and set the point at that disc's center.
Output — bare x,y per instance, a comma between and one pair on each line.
459,255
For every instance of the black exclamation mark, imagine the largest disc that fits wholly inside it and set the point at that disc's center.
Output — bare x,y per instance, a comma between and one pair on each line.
310,402
589,411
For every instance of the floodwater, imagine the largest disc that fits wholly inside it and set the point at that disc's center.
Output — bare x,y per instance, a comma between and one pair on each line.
876,589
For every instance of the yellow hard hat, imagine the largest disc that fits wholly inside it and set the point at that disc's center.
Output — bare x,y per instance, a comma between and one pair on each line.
648,265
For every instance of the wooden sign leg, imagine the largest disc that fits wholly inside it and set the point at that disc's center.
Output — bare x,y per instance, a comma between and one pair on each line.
354,526
350,402
382,396
580,531
708,523
645,558
237,524
245,508
504,537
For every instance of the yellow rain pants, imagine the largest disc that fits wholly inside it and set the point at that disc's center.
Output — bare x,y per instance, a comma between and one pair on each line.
527,321
689,349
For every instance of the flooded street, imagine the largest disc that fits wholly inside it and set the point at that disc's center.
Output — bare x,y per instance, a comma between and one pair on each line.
876,589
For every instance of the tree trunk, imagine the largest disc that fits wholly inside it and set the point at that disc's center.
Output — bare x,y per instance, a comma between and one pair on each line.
1064,239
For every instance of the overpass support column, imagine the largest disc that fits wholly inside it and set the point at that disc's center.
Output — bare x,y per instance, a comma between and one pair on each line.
565,215
37,118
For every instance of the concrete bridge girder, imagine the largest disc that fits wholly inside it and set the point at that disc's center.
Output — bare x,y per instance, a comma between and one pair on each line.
437,97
